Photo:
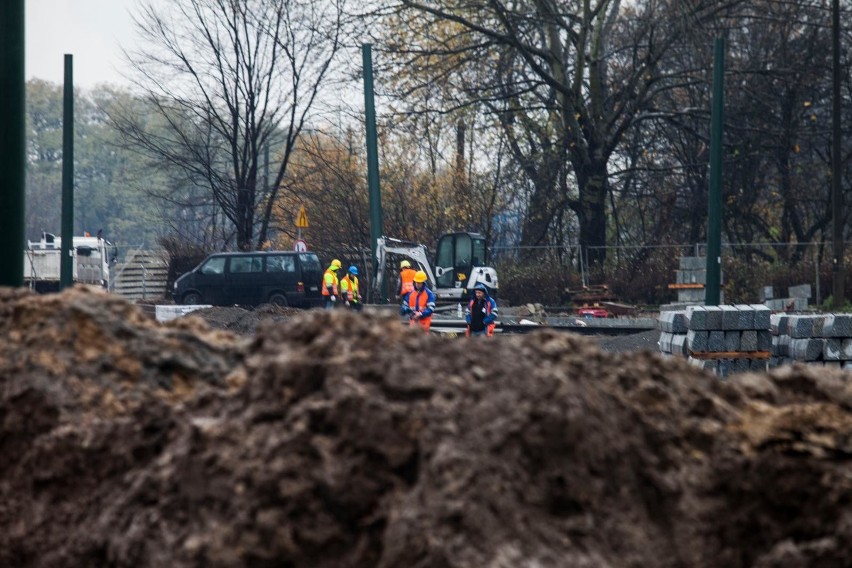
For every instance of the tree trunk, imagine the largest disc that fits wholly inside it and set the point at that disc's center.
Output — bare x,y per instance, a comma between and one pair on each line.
591,211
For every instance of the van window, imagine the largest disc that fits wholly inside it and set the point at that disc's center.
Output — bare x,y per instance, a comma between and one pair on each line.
215,265
281,263
243,264
310,262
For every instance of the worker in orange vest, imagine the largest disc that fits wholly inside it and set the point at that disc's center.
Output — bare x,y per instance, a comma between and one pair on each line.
349,291
419,304
481,313
406,279
329,284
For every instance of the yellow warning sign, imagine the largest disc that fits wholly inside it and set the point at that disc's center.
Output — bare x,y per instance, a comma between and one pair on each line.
302,219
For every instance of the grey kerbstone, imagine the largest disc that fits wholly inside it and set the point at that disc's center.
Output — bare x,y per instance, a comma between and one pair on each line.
732,340
696,318
742,365
730,318
846,349
705,364
806,349
673,321
714,317
837,325
758,365
691,295
767,293
665,342
697,340
716,341
745,316
761,316
748,340
679,345
693,262
819,322
801,291
764,340
800,326
831,349
691,276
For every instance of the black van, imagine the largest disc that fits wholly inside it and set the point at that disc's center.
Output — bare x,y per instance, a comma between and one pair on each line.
253,278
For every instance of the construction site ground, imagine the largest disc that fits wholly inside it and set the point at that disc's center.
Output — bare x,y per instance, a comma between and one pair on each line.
323,439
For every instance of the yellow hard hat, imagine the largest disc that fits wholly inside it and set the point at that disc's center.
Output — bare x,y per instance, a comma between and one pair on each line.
336,263
420,276
405,264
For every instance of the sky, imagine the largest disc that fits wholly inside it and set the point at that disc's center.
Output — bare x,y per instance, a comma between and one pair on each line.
93,31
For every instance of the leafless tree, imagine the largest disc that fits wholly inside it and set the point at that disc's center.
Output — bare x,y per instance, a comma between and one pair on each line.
227,83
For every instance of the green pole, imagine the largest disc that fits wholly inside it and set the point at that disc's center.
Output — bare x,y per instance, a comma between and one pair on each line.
13,144
714,205
66,266
372,162
837,207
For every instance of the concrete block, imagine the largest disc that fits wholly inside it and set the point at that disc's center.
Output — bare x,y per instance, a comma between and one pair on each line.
665,342
742,365
776,346
758,365
748,340
801,291
776,305
774,362
673,321
691,276
819,321
697,340
767,293
732,340
837,325
806,349
693,262
691,295
716,341
730,318
696,318
679,345
761,316
800,326
725,368
714,317
831,349
745,317
764,340
846,349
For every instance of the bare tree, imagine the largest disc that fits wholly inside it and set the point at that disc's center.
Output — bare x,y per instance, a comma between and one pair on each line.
226,83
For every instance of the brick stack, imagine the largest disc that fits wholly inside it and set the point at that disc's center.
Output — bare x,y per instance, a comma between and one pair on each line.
824,339
797,298
721,339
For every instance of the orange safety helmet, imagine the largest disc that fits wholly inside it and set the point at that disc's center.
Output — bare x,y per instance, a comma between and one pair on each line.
420,276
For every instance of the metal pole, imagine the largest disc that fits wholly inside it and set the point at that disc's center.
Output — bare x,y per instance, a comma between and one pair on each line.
714,207
838,217
66,266
372,161
13,144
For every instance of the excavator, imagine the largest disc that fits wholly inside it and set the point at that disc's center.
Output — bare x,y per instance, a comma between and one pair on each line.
460,264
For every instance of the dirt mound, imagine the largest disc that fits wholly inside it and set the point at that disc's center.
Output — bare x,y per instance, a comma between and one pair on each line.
332,440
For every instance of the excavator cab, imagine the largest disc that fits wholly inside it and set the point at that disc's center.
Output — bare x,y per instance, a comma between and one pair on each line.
457,255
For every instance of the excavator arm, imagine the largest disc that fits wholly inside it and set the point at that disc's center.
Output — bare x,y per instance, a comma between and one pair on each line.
415,252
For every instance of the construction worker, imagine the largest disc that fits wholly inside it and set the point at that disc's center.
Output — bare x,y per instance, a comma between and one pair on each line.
481,313
349,290
406,279
419,304
329,284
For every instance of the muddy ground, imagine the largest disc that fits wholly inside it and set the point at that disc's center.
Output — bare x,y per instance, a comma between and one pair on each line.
330,440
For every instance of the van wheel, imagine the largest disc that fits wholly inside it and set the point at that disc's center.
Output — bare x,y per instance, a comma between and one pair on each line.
191,298
278,300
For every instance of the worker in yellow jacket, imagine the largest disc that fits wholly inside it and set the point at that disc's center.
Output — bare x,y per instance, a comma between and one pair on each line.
349,290
329,284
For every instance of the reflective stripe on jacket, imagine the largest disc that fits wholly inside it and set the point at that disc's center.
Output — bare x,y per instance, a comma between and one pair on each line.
349,288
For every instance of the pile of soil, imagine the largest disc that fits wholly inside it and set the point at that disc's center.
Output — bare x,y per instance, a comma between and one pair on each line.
333,440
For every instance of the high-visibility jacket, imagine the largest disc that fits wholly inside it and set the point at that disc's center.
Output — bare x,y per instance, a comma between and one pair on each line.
489,319
422,301
329,280
406,281
349,288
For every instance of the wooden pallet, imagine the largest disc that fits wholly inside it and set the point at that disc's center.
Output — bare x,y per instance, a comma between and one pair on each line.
685,286
729,354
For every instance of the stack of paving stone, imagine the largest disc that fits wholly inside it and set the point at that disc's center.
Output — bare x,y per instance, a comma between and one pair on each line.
824,339
673,333
729,339
796,300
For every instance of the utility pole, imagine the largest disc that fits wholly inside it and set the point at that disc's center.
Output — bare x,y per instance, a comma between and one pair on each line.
838,218
13,145
712,293
372,163
66,266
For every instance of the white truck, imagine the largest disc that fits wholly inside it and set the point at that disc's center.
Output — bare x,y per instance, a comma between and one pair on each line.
91,258
459,264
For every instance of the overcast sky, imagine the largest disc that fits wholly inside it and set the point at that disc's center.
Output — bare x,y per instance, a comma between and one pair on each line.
93,31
